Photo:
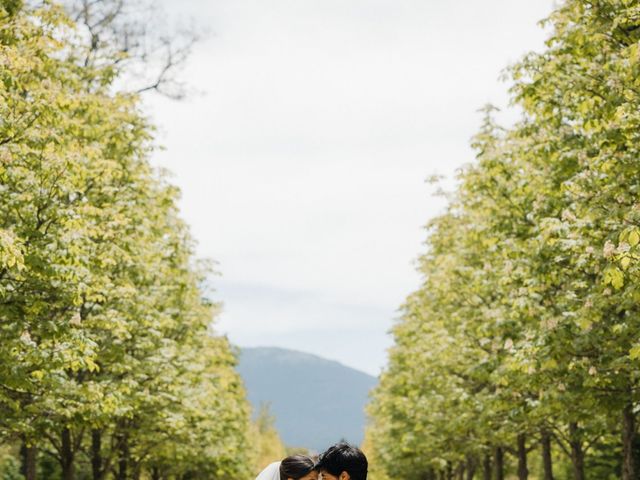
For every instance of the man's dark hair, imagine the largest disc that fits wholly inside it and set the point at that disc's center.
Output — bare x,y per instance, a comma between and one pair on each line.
343,457
296,467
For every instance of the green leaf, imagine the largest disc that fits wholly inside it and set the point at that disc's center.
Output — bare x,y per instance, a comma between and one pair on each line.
614,277
625,262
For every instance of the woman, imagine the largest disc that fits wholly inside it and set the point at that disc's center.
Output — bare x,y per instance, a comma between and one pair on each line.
295,467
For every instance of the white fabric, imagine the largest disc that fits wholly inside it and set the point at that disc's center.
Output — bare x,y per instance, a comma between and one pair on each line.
272,472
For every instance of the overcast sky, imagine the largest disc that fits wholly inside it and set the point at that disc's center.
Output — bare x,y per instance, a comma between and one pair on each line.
303,160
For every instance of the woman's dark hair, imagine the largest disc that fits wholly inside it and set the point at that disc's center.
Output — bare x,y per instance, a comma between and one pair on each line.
296,467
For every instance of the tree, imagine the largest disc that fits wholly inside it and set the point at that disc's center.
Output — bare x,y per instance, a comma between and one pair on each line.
525,321
268,446
106,347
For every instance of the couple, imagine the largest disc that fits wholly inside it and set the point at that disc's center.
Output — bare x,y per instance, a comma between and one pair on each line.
340,462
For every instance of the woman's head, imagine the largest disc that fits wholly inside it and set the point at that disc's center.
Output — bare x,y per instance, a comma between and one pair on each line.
298,467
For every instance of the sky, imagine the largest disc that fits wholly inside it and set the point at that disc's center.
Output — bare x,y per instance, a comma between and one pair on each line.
303,149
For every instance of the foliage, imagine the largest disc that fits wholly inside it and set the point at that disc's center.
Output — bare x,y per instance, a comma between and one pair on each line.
376,470
268,444
9,467
107,358
525,326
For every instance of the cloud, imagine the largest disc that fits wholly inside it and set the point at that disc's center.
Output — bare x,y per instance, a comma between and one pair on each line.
303,162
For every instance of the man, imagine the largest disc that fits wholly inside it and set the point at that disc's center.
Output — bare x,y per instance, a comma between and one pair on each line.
342,462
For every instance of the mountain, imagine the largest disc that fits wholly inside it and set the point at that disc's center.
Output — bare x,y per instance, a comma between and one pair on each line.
316,401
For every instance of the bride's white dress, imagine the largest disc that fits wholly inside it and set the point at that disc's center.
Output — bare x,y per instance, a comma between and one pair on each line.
272,472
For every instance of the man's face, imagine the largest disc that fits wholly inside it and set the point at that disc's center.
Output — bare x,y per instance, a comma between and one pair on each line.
324,475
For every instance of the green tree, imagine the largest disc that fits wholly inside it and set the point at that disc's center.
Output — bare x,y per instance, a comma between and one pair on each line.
107,358
523,333
268,445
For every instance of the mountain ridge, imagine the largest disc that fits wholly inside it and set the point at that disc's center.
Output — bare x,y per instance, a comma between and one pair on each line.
316,401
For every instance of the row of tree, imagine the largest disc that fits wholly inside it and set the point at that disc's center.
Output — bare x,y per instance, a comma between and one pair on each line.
523,341
108,365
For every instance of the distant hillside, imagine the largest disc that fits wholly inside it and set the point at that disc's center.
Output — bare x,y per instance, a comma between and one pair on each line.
316,401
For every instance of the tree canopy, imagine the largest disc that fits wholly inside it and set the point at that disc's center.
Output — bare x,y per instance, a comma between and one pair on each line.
108,362
524,332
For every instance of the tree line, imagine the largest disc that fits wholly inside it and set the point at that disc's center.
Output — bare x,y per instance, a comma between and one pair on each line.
108,364
519,354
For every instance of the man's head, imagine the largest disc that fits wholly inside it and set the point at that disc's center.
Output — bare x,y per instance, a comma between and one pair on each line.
342,462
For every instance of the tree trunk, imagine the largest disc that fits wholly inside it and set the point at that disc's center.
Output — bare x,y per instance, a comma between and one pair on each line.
460,471
471,467
66,456
96,454
547,461
577,454
155,473
523,471
499,463
486,468
123,457
449,471
28,454
628,441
